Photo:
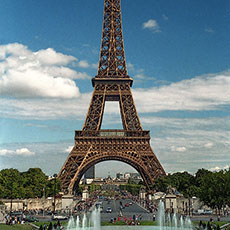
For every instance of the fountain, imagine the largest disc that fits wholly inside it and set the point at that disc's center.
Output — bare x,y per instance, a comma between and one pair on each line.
172,221
166,221
93,223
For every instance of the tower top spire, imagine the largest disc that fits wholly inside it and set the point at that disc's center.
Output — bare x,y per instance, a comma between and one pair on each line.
112,56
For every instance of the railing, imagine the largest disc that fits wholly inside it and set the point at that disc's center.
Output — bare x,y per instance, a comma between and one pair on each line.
112,133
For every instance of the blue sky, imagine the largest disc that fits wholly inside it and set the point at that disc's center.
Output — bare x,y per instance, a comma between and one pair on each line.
177,52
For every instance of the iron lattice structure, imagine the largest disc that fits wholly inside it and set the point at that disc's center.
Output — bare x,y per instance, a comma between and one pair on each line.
112,83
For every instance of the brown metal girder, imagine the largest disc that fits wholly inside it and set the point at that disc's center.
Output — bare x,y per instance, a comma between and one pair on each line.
112,80
112,83
103,156
64,166
113,38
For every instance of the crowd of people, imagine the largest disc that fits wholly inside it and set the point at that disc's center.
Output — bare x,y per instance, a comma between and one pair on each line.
51,226
11,220
128,220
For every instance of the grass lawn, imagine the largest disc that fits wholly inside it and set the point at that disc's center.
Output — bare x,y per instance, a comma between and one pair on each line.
16,227
64,223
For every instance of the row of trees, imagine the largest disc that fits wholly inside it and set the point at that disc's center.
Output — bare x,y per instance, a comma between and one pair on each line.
30,184
213,188
133,188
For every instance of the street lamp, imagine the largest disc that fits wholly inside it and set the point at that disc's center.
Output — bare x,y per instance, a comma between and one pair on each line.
55,176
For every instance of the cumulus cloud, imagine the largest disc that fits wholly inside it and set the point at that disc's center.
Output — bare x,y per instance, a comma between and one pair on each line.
217,168
51,57
17,152
45,73
201,93
189,133
152,25
192,134
86,65
83,64
178,149
42,109
209,145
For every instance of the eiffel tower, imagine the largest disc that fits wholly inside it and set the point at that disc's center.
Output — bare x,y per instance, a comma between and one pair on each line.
112,83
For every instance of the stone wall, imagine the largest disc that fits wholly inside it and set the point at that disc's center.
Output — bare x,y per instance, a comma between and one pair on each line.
33,204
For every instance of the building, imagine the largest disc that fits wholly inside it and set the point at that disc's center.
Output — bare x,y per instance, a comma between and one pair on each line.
119,176
90,173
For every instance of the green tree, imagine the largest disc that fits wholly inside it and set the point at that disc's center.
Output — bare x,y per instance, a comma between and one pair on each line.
213,189
227,176
132,188
184,183
161,184
29,184
11,184
53,186
200,174
34,181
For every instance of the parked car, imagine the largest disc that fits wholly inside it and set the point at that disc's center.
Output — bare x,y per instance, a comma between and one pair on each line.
109,210
59,217
208,212
31,219
200,211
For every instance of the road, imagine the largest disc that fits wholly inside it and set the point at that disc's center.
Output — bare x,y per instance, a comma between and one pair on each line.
129,209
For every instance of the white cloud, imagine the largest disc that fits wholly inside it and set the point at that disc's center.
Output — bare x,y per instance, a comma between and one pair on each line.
44,73
205,93
83,64
202,93
51,57
42,109
209,145
178,149
18,152
191,134
86,65
140,76
152,25
217,168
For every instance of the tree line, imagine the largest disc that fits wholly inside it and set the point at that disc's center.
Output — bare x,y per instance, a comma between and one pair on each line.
30,184
212,188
